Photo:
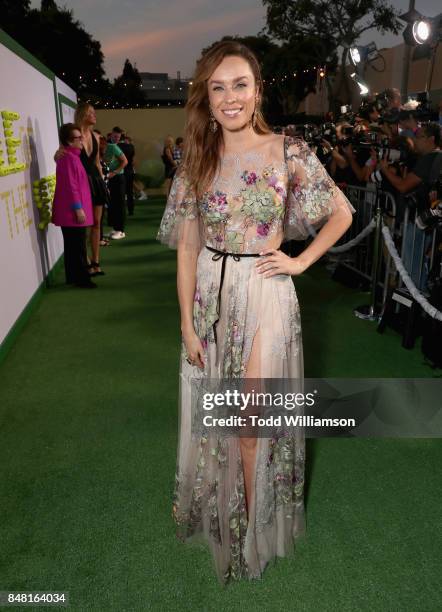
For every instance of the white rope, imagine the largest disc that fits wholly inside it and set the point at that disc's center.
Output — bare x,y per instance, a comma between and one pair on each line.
417,296
351,243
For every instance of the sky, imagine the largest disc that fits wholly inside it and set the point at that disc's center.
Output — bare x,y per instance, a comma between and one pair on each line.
168,36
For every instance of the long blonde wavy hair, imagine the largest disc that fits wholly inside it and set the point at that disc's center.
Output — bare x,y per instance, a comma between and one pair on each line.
202,147
80,113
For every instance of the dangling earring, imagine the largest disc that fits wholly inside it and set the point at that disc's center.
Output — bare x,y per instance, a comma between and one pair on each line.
254,114
213,124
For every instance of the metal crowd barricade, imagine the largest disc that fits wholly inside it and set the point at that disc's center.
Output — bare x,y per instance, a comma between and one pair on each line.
370,260
361,258
418,251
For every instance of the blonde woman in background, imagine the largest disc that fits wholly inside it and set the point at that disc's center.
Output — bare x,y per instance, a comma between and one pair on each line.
86,119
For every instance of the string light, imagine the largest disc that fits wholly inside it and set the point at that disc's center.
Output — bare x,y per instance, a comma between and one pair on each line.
274,80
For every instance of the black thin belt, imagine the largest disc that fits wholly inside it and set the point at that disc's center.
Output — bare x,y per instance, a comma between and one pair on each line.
216,257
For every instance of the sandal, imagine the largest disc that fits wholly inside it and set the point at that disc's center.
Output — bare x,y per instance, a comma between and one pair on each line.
95,264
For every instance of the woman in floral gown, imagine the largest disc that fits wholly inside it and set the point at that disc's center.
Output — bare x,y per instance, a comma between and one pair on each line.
239,193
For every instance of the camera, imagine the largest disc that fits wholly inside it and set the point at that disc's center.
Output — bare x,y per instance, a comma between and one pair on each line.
430,216
395,156
390,117
314,134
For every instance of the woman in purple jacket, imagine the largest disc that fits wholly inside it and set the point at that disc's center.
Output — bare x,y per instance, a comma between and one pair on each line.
72,207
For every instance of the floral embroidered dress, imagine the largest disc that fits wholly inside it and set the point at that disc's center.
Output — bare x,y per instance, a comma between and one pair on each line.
256,201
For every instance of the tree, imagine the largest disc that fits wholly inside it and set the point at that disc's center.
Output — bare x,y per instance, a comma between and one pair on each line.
48,5
331,26
62,43
59,41
14,14
285,76
127,91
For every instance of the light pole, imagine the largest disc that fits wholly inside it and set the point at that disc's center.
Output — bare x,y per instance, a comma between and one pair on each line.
406,64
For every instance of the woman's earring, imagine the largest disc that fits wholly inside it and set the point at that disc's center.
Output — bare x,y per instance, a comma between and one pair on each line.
254,114
213,124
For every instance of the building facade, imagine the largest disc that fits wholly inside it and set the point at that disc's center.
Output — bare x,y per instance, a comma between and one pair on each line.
161,90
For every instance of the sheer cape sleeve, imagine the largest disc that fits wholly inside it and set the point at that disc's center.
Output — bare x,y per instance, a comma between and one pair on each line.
181,222
312,195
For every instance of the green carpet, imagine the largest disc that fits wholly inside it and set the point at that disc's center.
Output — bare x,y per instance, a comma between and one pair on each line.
88,424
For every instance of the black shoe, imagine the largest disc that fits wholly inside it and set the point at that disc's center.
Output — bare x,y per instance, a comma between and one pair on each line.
95,264
87,285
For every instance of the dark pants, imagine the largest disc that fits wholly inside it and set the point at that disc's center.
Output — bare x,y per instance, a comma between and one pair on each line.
75,260
117,212
129,178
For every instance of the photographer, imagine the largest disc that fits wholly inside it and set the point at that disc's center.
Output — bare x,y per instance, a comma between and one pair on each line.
392,158
418,183
369,114
408,125
346,165
393,97
427,143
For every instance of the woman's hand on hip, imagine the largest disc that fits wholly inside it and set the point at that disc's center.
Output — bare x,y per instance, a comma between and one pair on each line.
194,348
274,261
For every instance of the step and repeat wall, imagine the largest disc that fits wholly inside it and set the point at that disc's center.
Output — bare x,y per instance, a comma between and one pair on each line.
33,103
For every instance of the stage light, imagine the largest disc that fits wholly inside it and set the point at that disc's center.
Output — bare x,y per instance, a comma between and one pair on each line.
421,31
355,56
361,54
363,87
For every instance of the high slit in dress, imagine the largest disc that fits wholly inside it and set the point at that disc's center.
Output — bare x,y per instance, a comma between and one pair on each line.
256,201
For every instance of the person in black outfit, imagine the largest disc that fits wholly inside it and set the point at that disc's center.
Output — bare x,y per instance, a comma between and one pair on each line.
85,118
105,172
128,149
427,143
419,181
117,161
170,165
345,165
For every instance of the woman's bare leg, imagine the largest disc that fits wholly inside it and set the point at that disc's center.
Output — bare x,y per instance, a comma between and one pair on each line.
248,445
95,235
